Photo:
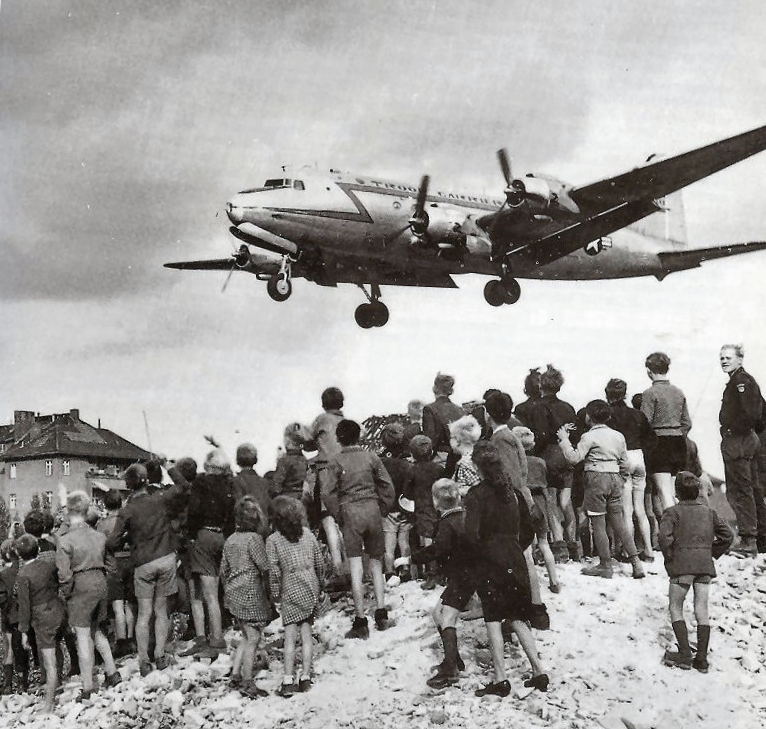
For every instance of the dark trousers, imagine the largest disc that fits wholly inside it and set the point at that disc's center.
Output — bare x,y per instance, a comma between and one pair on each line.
743,490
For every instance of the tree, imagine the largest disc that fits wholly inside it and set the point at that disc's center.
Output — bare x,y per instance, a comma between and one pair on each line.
5,520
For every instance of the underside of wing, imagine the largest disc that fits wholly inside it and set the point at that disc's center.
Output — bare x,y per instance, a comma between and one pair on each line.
681,260
215,264
389,277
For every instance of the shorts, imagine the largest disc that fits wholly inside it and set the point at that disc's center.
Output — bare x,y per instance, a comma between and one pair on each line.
689,580
360,524
636,479
119,586
86,606
669,456
541,532
47,620
458,592
395,523
205,553
156,578
603,493
503,598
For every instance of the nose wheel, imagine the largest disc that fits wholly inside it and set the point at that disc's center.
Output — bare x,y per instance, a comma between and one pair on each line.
279,286
375,312
502,291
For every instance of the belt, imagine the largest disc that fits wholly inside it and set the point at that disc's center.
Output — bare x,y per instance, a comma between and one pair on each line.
89,569
217,530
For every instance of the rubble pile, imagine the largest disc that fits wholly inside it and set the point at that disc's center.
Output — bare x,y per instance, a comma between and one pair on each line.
603,655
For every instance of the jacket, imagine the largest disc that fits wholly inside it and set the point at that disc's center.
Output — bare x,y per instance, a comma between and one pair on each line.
211,504
436,419
357,475
665,408
691,535
741,405
450,548
633,425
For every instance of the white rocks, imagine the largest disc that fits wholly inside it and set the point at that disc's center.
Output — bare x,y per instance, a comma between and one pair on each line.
193,719
174,701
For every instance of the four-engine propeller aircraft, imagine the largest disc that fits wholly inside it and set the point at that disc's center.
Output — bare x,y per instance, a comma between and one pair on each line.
342,228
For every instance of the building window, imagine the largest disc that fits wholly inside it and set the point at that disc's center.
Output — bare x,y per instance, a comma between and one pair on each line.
49,467
12,501
2,447
65,466
12,473
48,500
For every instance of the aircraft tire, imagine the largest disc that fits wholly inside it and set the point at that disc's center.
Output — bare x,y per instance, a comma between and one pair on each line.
511,290
494,293
365,316
380,314
279,288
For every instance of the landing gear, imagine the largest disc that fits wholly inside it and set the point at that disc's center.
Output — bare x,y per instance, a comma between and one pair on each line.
279,286
502,291
374,313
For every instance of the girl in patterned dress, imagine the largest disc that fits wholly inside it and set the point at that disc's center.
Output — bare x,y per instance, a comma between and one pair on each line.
296,575
244,568
464,435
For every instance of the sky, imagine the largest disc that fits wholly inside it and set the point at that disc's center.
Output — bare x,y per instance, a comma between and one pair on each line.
125,125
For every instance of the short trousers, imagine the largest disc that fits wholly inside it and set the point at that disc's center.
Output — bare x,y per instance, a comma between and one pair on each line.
689,580
458,592
156,578
360,524
636,479
603,493
395,523
205,553
542,504
669,455
119,586
503,598
86,606
48,620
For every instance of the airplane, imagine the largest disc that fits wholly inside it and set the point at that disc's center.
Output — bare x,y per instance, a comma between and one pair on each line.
339,227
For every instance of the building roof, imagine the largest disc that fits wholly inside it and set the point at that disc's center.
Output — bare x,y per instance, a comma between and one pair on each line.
67,435
6,433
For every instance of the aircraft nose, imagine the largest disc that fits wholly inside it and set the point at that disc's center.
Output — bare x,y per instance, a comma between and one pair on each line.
234,212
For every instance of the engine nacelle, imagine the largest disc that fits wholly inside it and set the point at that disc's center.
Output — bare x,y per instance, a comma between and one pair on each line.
242,257
538,191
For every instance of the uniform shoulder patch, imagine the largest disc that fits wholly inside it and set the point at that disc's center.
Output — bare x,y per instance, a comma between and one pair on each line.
741,387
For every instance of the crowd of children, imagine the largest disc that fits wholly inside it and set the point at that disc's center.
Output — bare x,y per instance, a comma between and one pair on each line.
469,506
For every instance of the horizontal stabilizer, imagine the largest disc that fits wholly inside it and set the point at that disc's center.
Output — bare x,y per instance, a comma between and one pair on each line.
681,260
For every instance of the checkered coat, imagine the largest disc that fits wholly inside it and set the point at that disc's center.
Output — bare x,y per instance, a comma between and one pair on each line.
296,575
244,570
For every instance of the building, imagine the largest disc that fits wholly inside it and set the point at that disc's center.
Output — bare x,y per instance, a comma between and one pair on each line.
41,453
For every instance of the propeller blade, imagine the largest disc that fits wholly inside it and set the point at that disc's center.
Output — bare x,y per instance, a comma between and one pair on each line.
228,278
505,165
420,205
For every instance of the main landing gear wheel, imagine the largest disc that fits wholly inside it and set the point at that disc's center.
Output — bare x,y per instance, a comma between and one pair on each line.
371,315
279,287
504,291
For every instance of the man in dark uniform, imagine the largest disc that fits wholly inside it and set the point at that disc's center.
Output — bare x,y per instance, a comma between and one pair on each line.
741,414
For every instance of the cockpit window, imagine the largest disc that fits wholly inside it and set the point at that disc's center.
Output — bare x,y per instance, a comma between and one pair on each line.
275,183
298,185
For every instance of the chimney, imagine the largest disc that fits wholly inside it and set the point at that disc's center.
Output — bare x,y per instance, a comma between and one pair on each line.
74,413
22,423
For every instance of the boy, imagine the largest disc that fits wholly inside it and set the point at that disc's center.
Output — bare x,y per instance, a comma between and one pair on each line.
359,492
40,607
691,536
453,553
248,482
605,457
15,655
38,525
292,464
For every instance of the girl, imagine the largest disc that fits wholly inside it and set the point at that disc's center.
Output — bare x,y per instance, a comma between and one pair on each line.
296,574
464,434
243,568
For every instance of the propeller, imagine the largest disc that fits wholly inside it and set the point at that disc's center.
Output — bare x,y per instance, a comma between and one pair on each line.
515,189
418,223
240,259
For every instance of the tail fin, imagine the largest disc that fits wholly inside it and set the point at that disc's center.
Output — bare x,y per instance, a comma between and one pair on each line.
668,225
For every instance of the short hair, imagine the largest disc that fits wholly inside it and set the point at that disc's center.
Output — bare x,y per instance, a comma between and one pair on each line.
532,383
347,432
687,486
26,546
636,400
113,499
187,467
247,455
135,476
216,463
551,380
248,515
154,471
465,430
392,436
78,502
526,436
92,515
598,411
48,521
445,493
499,406
332,399
7,550
421,447
616,389
444,385
738,349
658,363
488,393
287,515
295,436
34,523
487,458
415,407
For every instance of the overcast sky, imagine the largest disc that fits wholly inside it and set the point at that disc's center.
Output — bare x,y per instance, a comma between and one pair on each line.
125,126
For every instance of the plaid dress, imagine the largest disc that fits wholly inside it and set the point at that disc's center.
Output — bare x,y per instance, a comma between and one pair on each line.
296,574
466,475
243,569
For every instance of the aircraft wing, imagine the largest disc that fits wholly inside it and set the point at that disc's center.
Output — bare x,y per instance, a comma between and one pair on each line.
613,203
681,260
215,264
